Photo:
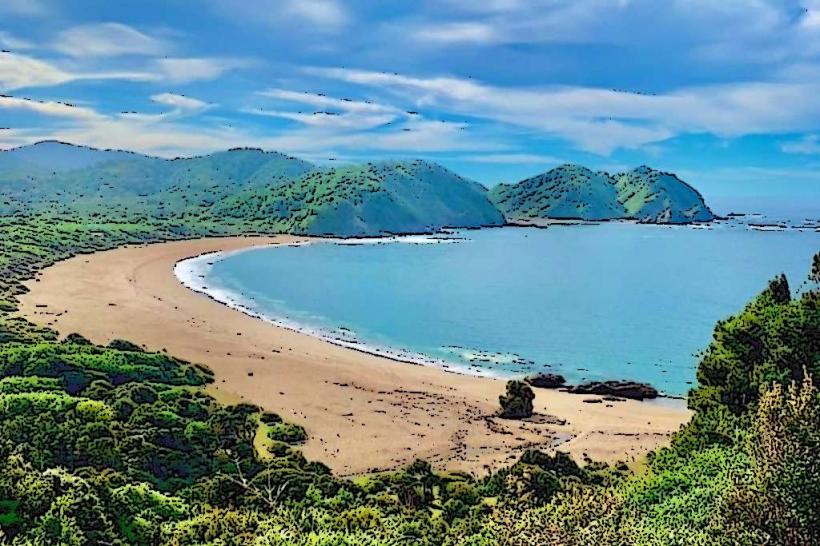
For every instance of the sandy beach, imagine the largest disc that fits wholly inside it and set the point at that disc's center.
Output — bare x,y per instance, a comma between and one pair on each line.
362,412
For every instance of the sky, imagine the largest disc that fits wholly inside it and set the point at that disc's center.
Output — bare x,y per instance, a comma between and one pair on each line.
724,93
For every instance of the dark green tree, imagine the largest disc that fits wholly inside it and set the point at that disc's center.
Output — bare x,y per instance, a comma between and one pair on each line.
517,403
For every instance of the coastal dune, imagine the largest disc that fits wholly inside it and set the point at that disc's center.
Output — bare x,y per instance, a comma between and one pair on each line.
362,412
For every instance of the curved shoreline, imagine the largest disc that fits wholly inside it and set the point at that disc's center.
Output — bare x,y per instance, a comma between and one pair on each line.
191,276
235,301
362,412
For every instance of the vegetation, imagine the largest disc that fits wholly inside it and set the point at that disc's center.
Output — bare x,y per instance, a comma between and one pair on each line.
372,199
242,190
117,445
575,192
517,402
122,446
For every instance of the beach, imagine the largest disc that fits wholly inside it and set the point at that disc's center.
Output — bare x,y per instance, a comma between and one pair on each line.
362,412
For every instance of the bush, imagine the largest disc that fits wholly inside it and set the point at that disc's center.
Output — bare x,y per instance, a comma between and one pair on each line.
76,339
125,345
288,433
517,403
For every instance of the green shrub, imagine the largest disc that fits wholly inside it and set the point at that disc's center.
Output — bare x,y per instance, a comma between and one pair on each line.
288,433
517,403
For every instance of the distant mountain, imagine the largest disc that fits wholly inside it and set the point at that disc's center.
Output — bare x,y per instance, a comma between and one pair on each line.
52,174
367,200
575,192
54,156
250,189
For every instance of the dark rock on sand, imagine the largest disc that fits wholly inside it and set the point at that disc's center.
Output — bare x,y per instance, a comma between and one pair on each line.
546,380
624,389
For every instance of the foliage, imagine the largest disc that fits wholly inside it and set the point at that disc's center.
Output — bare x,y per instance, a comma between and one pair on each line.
366,200
118,445
575,192
517,402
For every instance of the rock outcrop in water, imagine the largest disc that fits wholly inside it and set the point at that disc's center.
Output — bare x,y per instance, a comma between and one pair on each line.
623,389
546,380
575,192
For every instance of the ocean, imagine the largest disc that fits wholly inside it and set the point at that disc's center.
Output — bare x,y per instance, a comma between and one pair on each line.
589,301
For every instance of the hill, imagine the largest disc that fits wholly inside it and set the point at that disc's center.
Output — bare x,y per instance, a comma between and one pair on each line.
367,200
649,195
575,192
54,156
106,181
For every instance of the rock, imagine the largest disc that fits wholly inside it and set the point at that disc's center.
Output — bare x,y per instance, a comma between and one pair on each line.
546,380
624,389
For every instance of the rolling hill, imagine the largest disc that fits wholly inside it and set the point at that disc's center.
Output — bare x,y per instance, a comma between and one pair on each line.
246,188
63,176
367,200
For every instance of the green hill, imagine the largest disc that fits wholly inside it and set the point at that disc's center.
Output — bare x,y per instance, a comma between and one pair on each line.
367,200
575,192
122,182
649,195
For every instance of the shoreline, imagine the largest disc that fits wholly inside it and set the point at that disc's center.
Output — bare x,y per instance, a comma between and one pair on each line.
195,271
235,301
362,412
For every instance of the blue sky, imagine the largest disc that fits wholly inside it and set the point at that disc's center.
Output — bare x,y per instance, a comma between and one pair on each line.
725,93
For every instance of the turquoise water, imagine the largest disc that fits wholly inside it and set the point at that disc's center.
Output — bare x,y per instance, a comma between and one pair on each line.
607,301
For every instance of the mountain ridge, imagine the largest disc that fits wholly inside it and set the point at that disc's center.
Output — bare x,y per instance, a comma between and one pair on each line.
269,190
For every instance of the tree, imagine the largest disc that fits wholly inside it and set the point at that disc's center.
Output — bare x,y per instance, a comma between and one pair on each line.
782,497
517,403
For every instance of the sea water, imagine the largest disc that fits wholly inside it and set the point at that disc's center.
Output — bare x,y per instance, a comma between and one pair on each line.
591,302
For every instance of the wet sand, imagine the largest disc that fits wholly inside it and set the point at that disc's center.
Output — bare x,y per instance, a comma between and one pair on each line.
362,412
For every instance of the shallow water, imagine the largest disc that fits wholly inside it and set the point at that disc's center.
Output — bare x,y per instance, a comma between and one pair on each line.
607,301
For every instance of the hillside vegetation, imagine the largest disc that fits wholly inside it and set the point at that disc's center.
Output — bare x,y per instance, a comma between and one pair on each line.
115,445
113,183
120,446
251,190
575,192
372,199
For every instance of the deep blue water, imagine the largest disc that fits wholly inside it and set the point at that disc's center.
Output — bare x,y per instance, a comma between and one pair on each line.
608,301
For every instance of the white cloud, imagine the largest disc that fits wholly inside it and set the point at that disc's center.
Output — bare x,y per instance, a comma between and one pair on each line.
30,8
602,120
472,32
336,113
22,71
19,71
181,102
13,42
107,40
188,69
171,133
324,13
327,119
49,108
161,134
323,101
310,15
809,145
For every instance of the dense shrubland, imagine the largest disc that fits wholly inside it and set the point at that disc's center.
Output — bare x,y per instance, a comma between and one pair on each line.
117,445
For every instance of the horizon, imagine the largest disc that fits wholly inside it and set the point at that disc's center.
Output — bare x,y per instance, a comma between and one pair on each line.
497,92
